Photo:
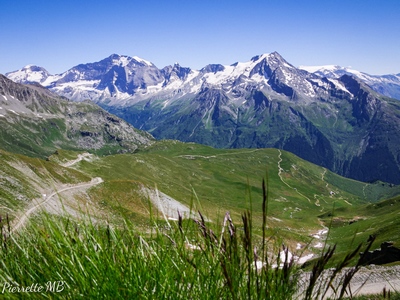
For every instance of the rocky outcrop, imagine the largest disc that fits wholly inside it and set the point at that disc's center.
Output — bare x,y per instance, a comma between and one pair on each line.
385,255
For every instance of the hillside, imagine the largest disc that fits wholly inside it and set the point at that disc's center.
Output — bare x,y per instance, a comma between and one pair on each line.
26,182
215,181
192,177
36,122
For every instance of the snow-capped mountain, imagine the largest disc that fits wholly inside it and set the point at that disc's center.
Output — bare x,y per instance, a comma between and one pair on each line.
388,85
330,118
122,80
30,73
117,76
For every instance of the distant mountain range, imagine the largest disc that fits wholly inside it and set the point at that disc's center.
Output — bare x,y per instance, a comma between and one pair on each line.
124,80
334,117
387,85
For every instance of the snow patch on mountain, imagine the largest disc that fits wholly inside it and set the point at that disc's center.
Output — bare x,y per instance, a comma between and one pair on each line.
143,61
339,85
29,73
313,69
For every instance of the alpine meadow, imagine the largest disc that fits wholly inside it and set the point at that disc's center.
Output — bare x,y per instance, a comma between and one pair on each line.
254,180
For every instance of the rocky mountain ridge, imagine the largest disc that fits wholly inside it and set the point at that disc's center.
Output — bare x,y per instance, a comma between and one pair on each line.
35,121
120,79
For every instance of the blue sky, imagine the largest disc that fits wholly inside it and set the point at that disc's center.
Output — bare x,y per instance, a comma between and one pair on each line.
58,35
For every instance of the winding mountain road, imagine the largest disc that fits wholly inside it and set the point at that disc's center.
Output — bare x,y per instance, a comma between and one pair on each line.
22,220
280,170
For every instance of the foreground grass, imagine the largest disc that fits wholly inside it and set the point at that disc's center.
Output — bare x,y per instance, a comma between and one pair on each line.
86,261
61,258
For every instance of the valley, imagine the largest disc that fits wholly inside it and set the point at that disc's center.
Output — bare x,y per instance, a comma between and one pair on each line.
192,178
258,152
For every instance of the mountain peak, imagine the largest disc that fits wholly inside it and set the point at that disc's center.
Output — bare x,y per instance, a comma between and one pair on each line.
261,56
214,68
175,71
120,60
124,60
32,67
28,74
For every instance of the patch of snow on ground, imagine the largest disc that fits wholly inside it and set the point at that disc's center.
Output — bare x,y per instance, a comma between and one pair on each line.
259,78
320,235
300,260
5,98
51,79
123,59
232,72
259,264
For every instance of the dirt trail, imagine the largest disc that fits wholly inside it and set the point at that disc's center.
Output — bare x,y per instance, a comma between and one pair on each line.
82,156
368,280
280,170
194,156
22,219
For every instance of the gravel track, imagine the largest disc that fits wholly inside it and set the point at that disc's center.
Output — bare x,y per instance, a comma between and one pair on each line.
368,280
20,222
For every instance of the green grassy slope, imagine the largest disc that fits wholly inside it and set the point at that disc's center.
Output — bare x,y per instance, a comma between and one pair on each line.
302,197
354,226
217,180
